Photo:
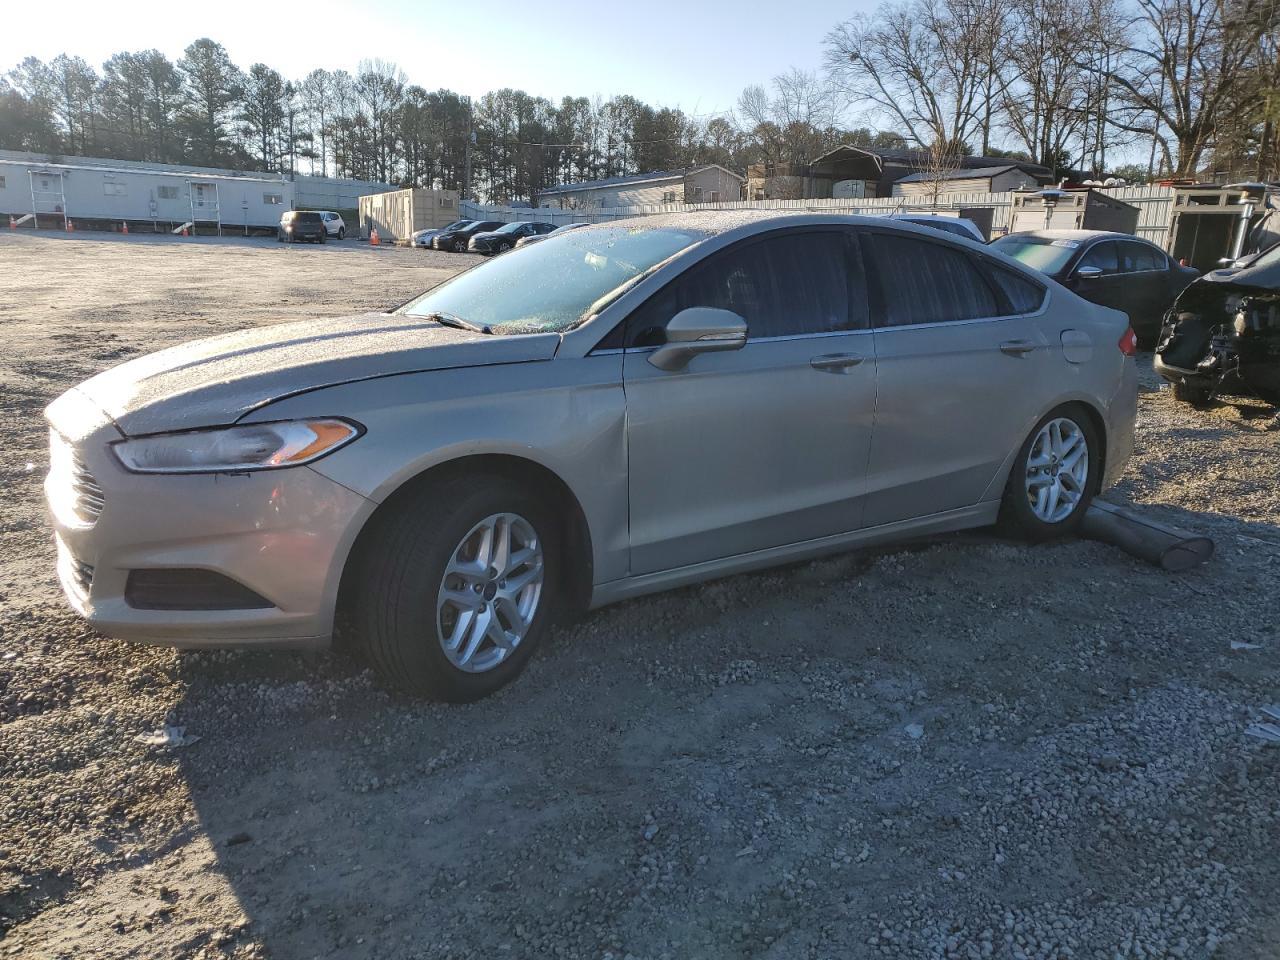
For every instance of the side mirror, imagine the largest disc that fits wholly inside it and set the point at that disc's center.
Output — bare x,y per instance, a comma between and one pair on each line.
1088,273
699,330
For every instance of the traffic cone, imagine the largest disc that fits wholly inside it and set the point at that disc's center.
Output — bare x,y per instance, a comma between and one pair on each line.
184,231
374,239
13,222
71,226
124,227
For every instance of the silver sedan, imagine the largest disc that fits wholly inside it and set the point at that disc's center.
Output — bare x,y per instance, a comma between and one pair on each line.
616,410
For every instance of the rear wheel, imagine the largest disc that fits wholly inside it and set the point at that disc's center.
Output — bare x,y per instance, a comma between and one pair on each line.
342,233
1054,476
456,587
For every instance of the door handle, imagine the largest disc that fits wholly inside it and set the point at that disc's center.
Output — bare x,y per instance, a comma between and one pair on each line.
835,362
1016,348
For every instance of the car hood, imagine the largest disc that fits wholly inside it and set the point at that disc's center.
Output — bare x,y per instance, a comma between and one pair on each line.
218,380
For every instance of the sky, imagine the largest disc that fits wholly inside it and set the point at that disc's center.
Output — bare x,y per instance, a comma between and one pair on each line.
696,54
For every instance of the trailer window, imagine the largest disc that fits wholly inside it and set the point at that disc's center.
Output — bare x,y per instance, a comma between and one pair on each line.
1,183
273,198
115,189
167,193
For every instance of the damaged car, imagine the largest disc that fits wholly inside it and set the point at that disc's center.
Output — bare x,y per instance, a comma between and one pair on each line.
1223,333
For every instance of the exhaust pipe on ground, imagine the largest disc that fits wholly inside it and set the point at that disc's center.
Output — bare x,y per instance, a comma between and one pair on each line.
1166,547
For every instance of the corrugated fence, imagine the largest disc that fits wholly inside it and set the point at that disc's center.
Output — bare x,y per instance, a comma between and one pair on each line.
1154,206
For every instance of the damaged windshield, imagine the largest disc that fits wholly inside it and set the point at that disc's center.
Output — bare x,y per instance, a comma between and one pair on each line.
551,286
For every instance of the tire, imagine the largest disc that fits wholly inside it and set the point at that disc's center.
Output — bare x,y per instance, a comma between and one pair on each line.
342,233
1191,393
322,238
279,237
1018,516
398,611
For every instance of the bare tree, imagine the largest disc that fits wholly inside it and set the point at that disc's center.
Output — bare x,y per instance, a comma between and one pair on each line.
1186,67
925,64
316,90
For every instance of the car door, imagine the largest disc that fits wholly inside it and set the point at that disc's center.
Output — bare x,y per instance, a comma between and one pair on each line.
1145,272
1111,288
766,445
962,367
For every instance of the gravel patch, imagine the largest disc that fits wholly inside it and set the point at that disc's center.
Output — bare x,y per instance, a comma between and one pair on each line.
963,748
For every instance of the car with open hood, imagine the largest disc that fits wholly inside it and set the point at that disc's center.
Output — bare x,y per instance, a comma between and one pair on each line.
616,410
1223,333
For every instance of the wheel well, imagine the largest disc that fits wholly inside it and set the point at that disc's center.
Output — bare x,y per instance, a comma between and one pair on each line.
576,577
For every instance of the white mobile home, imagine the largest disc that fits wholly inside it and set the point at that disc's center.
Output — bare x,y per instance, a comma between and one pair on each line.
99,192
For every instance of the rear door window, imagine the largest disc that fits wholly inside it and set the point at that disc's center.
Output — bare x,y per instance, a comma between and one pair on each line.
1139,257
785,285
924,282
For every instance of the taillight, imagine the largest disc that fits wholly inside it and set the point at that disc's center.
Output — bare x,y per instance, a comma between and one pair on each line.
1129,343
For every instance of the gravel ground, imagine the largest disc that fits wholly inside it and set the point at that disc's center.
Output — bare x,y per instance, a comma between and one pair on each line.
967,748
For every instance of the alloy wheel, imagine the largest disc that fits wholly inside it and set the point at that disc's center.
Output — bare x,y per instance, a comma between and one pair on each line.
1057,470
490,592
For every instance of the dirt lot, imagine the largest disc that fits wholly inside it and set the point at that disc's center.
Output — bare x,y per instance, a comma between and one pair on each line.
723,771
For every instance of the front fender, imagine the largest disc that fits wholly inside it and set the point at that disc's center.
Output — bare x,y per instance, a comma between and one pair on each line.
567,416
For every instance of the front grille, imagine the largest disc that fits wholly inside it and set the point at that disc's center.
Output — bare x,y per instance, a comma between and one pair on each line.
89,499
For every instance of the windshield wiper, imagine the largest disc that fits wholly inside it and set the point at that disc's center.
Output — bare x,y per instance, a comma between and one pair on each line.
452,320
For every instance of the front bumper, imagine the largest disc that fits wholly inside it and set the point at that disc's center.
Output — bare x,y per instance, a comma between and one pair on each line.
284,534
1174,374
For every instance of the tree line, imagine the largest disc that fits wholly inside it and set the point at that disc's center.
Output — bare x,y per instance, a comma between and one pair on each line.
1188,86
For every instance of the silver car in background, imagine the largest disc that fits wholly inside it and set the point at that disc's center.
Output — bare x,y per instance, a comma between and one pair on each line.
615,410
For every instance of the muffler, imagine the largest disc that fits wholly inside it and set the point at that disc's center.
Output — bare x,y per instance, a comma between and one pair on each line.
1167,547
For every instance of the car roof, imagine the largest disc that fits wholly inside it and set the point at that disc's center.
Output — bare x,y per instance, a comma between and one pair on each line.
714,223
1074,235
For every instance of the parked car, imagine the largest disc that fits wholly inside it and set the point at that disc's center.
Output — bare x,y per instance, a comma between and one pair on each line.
1115,270
424,238
525,241
960,226
457,238
507,235
621,409
298,225
1223,333
334,225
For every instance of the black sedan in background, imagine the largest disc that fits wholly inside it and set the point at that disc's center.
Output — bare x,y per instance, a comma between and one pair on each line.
1115,270
507,236
565,228
456,238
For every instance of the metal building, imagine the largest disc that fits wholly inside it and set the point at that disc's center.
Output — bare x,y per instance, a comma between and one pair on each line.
397,214
44,191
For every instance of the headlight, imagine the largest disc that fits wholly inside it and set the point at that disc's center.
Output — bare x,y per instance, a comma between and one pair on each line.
257,446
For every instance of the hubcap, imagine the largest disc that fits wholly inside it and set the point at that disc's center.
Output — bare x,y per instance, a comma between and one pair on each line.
489,593
1057,470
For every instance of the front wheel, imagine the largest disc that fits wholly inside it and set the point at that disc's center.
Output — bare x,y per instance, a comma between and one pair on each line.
456,587
1054,476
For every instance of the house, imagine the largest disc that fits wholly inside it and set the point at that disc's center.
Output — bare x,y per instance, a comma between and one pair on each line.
96,191
705,184
999,179
856,172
